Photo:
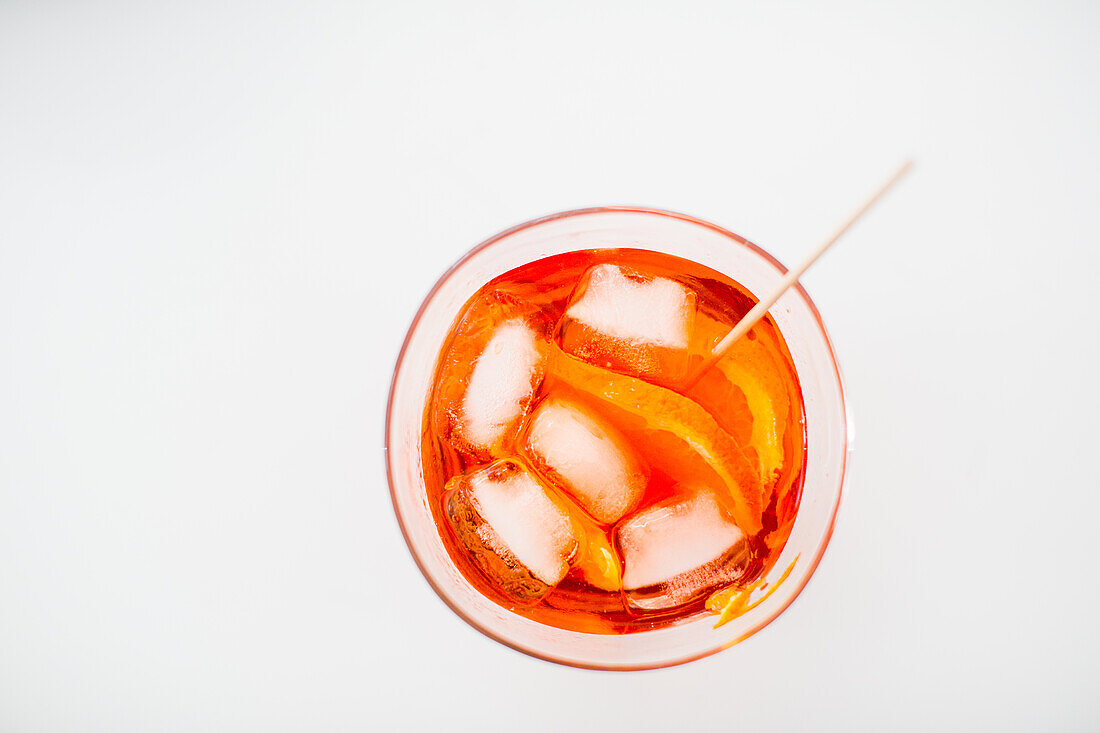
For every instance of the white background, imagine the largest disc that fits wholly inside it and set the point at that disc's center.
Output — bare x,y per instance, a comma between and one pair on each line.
217,220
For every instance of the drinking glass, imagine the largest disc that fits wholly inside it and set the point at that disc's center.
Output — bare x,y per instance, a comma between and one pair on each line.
828,431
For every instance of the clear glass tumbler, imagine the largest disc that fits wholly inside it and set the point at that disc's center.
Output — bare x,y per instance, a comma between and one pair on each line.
828,430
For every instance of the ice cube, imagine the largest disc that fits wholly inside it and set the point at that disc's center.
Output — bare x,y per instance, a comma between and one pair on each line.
519,534
676,551
587,457
633,323
501,385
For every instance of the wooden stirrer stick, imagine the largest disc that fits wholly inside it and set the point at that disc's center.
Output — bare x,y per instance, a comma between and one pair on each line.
760,309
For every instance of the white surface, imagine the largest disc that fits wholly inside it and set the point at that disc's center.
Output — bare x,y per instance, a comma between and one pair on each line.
216,221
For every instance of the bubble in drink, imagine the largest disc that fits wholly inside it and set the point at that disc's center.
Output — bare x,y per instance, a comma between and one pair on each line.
587,457
575,479
676,550
631,322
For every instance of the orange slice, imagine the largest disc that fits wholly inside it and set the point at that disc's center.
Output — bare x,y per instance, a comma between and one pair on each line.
747,378
595,560
727,402
673,433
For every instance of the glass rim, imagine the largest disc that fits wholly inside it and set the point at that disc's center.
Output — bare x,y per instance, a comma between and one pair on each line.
845,429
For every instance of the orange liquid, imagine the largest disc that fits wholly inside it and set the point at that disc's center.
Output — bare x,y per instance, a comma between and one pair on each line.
738,430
